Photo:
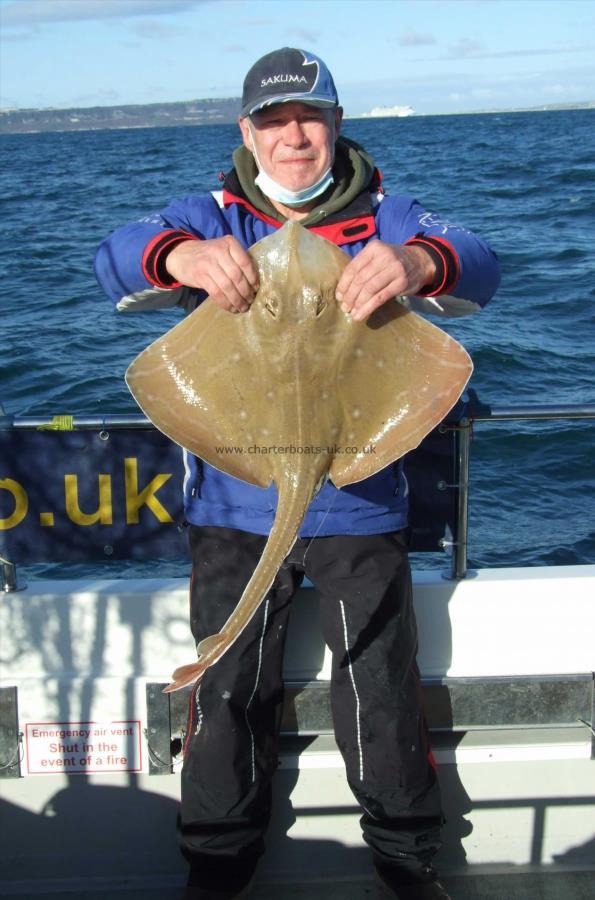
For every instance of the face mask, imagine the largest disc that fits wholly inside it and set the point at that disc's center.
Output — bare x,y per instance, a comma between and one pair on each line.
276,191
283,195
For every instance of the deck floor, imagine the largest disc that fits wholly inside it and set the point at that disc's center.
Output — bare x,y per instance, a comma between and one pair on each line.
547,883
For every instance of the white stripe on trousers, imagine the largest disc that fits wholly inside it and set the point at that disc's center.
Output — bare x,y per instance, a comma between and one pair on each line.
264,625
357,706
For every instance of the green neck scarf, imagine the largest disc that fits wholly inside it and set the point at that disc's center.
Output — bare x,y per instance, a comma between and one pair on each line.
353,171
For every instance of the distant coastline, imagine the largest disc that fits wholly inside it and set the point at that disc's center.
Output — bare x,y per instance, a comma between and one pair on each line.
142,115
193,112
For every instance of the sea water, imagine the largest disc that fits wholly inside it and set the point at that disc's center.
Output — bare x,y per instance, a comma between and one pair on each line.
525,181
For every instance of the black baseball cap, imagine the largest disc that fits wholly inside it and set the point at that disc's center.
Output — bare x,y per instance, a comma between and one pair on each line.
285,75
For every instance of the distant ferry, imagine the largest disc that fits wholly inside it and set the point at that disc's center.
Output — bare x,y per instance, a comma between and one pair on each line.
400,112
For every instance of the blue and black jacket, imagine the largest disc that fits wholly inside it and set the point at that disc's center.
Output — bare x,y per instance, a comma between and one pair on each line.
130,267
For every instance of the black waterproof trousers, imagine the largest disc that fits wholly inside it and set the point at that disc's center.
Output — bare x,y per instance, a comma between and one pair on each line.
230,751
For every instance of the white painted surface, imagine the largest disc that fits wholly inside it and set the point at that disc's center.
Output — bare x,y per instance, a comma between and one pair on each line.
518,753
497,622
85,652
532,621
498,813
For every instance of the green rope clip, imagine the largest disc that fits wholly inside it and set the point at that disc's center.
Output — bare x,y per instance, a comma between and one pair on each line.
58,423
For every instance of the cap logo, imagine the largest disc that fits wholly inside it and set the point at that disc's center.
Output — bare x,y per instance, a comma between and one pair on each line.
283,79
287,74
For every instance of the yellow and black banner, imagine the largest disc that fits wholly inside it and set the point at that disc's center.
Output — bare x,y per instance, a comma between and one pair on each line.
84,495
68,495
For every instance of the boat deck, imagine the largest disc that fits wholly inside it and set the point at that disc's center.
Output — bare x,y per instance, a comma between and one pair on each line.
510,731
519,806
553,883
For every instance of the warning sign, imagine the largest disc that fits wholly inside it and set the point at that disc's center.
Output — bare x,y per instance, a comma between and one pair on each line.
75,747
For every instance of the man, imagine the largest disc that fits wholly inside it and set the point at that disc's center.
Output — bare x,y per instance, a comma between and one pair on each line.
293,165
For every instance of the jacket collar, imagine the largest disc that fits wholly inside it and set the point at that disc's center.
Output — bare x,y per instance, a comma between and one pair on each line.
345,211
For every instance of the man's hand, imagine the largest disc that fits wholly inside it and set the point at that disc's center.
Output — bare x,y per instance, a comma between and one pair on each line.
219,266
382,271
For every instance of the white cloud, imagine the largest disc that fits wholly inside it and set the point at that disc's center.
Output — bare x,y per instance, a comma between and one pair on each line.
465,48
30,12
490,87
469,48
416,39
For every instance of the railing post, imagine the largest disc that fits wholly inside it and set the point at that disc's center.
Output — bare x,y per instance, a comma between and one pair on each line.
459,555
10,582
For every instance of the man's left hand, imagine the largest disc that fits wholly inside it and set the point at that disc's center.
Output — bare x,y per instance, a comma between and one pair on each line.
379,273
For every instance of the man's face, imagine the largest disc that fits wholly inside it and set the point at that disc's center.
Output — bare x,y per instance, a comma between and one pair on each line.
294,142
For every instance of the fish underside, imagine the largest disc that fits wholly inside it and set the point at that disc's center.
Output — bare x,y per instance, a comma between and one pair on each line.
295,371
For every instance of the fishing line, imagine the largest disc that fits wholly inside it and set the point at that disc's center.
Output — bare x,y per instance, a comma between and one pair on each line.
321,523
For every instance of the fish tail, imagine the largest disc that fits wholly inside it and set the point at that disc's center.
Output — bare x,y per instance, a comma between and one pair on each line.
185,675
209,650
292,507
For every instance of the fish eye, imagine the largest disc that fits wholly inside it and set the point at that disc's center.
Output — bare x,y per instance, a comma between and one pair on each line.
272,305
323,300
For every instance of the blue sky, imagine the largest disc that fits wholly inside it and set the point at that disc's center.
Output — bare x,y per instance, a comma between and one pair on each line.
435,55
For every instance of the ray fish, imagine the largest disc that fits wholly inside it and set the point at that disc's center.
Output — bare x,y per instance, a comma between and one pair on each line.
295,371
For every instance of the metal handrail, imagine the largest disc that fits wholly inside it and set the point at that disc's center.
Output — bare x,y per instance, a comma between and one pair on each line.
482,413
474,411
77,423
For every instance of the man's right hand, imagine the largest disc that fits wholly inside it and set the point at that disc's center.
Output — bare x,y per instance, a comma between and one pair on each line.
219,266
